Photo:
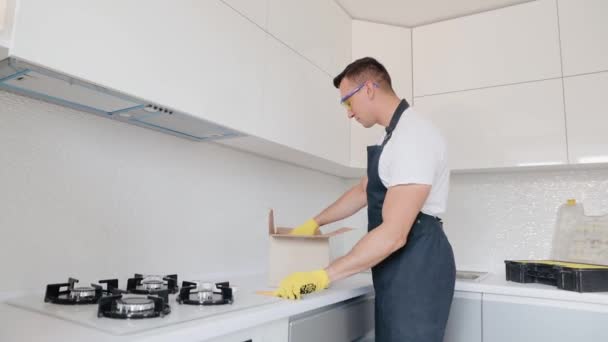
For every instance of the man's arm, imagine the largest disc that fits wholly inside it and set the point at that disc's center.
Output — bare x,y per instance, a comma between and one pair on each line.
401,206
348,204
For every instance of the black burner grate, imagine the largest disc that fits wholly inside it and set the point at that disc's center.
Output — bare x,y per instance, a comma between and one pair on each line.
190,293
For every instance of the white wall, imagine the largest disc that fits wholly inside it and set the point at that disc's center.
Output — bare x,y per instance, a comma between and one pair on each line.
497,216
91,198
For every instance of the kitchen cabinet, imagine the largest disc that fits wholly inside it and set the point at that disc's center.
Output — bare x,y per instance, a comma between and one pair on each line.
464,322
584,35
509,45
271,332
340,38
508,126
343,322
209,68
394,51
254,10
7,15
319,30
301,107
586,118
396,56
510,318
205,59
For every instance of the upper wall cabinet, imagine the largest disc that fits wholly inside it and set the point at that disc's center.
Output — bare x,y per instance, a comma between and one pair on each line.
255,10
509,45
586,117
209,59
395,53
301,106
515,125
199,57
319,30
584,35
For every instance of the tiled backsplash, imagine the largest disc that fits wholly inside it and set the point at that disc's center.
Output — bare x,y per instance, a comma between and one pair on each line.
511,215
507,215
92,198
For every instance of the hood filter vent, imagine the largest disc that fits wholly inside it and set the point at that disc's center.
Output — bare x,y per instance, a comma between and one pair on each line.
33,81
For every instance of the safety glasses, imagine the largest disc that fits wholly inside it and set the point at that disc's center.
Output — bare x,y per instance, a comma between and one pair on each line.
345,100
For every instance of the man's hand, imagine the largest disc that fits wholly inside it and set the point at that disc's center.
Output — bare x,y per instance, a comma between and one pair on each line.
296,284
307,228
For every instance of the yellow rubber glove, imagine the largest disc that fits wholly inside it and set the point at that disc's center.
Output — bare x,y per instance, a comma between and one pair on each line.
296,284
307,228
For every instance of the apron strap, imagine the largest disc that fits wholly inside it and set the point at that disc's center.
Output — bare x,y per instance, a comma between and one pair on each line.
403,105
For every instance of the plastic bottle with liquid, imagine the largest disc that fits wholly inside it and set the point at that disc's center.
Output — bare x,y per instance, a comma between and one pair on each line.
568,231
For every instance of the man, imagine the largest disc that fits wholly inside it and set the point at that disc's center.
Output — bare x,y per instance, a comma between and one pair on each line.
405,189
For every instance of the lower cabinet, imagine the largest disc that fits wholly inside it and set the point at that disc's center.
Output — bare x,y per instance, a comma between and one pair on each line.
271,332
464,322
510,318
347,321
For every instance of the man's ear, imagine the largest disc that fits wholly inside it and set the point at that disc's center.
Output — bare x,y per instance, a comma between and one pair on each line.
370,90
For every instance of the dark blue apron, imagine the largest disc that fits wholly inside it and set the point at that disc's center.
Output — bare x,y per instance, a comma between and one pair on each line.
414,286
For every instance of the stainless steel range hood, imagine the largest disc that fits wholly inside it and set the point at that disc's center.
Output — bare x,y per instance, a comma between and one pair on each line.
26,79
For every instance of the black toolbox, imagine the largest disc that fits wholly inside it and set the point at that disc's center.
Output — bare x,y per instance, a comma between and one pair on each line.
564,275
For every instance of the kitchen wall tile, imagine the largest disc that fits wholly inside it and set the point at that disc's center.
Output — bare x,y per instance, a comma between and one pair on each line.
511,215
92,198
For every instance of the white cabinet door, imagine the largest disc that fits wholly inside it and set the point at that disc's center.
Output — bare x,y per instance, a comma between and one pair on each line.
301,107
586,117
276,331
199,57
340,39
343,322
584,35
509,45
394,51
508,319
254,10
7,16
464,323
396,56
516,125
317,29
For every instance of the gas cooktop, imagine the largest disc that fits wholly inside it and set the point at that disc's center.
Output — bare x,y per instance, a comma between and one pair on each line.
147,302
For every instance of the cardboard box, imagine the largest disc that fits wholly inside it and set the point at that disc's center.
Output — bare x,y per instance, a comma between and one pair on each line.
292,253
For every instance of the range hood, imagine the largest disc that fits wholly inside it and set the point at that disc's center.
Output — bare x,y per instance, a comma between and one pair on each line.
33,81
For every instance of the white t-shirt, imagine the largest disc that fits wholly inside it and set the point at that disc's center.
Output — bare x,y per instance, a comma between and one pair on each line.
416,154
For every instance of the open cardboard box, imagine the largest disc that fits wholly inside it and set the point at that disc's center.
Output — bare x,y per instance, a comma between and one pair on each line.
293,253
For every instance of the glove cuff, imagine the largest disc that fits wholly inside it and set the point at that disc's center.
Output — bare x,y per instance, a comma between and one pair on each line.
312,223
307,228
322,277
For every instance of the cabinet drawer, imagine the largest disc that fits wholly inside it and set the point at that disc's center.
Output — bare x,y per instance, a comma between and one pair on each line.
511,318
345,321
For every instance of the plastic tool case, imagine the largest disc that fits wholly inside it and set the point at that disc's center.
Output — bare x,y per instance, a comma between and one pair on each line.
579,254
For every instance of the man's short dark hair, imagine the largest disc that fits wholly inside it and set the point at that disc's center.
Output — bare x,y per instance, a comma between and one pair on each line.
364,69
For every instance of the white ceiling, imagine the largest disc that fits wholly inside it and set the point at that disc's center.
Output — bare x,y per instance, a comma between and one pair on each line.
410,13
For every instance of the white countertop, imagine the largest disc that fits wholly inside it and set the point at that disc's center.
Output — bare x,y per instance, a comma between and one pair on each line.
18,324
497,284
